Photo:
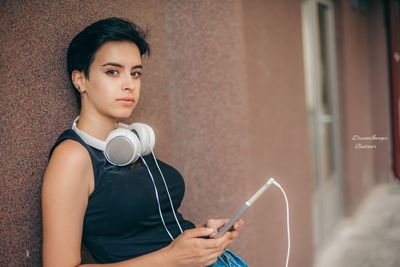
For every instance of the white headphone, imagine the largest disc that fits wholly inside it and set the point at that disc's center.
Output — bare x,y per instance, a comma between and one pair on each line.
123,145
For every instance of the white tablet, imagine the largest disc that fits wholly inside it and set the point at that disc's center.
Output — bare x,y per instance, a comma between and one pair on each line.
245,206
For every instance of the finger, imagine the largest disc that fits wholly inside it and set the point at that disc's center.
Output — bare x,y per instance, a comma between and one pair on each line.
216,253
214,242
213,257
209,243
223,240
216,223
232,238
238,223
226,244
197,232
213,235
234,235
219,242
210,261
224,222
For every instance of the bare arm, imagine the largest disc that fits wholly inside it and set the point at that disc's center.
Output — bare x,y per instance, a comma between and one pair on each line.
65,194
64,200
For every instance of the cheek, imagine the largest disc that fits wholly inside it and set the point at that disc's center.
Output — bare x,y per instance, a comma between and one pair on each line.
137,90
106,88
102,96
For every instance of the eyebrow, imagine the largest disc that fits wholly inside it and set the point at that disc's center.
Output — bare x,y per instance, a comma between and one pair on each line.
121,66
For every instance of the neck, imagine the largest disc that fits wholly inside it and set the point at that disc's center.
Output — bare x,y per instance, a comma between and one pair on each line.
96,125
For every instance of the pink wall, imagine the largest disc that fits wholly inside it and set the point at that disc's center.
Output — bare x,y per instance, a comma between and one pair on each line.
194,95
379,89
279,126
364,90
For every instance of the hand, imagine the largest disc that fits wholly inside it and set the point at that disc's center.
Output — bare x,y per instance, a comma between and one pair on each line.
218,223
191,250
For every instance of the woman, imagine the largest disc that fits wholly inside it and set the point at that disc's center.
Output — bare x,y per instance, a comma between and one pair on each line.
121,213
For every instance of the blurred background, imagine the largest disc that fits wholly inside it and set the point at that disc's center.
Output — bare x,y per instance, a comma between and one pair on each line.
305,91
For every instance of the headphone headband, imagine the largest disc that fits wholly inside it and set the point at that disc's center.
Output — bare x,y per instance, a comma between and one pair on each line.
90,140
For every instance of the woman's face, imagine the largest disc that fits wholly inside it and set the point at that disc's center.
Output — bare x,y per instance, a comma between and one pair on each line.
114,80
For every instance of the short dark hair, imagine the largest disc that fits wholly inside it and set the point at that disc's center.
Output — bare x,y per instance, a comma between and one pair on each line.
83,47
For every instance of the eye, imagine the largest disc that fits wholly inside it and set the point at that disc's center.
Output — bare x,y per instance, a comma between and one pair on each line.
137,74
112,72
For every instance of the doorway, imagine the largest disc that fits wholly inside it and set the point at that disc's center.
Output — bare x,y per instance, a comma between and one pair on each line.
323,114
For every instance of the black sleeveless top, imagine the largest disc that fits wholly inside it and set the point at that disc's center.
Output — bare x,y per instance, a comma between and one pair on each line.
122,220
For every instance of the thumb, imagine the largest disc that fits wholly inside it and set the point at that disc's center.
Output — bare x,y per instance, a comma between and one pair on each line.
197,232
216,223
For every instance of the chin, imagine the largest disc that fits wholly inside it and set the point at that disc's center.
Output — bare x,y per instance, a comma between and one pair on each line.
123,115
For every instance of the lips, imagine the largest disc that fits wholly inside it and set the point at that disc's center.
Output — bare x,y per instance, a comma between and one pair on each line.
127,99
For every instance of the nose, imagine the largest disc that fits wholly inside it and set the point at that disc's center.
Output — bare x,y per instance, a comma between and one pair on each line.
129,83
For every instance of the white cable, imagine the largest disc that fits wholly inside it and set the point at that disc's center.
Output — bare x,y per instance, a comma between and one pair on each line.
287,218
169,196
158,200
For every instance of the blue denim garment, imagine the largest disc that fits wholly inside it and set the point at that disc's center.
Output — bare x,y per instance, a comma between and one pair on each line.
229,259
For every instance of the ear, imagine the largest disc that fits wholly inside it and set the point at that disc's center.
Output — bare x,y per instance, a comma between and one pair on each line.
78,80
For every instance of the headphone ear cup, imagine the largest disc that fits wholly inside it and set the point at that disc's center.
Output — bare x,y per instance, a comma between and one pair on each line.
152,138
146,136
122,147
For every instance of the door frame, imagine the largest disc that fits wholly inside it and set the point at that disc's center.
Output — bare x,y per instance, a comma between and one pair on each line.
327,199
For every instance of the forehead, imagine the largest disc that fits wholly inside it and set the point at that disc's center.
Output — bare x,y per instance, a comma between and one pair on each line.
123,52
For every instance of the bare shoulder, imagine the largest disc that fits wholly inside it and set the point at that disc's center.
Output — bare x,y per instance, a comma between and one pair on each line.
72,152
70,164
